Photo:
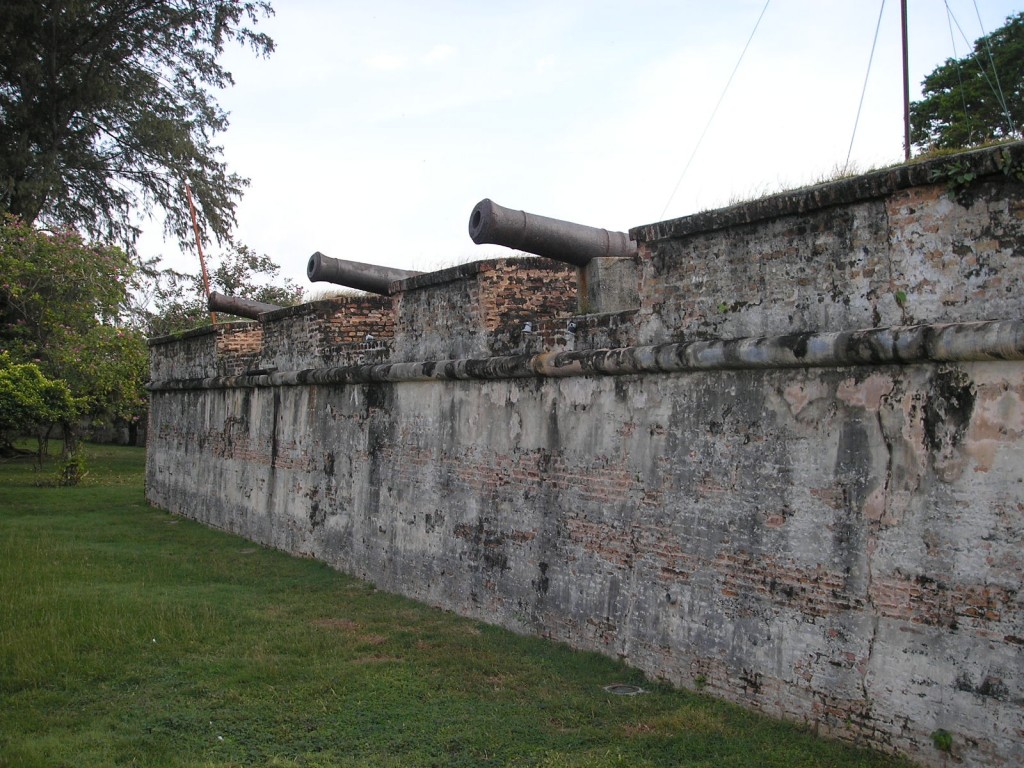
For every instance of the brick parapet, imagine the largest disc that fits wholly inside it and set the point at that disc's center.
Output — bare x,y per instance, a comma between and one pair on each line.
479,309
226,349
896,247
238,348
344,330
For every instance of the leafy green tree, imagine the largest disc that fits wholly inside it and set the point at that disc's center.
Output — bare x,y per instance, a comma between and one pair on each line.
108,366
180,299
63,305
54,287
107,107
30,400
977,98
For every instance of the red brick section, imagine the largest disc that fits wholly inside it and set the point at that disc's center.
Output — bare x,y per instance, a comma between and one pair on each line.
240,340
238,348
339,331
978,608
351,319
818,591
331,322
513,291
479,309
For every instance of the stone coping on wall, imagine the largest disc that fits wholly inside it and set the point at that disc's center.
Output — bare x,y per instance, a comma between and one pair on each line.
325,304
470,270
970,166
945,343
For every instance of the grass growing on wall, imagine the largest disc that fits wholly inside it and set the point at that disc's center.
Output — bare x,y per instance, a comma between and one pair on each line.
131,637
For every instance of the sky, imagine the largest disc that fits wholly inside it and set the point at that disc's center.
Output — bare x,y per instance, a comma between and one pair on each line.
374,128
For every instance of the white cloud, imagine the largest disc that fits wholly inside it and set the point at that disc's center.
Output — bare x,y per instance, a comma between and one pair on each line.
385,62
544,64
440,53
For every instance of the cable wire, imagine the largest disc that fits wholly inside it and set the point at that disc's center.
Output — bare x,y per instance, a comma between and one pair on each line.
959,72
864,90
995,72
715,110
981,66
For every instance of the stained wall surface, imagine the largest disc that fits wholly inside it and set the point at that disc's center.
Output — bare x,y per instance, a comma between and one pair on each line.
820,523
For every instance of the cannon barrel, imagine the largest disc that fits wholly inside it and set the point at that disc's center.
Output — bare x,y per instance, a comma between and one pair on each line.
553,238
372,278
236,305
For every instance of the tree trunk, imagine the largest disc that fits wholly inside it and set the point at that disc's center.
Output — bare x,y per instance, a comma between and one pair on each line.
72,462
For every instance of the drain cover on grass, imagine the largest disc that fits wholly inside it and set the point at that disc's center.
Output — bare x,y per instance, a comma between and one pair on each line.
621,689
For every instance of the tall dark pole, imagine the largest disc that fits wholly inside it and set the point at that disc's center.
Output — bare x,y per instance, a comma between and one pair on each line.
906,84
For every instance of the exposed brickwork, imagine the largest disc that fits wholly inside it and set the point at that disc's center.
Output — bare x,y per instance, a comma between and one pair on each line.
238,348
977,608
350,330
340,331
479,309
227,349
514,291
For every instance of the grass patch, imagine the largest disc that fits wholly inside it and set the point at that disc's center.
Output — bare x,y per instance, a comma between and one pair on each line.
131,637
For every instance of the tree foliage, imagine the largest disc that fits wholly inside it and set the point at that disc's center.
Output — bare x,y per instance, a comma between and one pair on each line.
180,299
29,399
977,98
63,307
107,106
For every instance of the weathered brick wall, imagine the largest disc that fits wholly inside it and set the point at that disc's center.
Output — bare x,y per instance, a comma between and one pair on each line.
479,309
228,349
347,330
517,291
884,249
607,331
824,527
238,348
835,547
338,331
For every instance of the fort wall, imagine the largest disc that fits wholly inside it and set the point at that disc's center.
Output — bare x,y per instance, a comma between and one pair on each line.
792,475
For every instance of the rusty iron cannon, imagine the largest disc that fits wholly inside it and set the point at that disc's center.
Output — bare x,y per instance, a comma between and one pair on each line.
555,239
371,278
236,305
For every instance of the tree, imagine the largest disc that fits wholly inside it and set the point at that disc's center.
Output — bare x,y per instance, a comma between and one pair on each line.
54,287
977,98
29,399
106,107
63,307
180,299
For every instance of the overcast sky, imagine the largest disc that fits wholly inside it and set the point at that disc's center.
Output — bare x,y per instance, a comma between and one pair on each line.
374,128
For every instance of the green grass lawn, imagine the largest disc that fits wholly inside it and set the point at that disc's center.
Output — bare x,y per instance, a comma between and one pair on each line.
132,637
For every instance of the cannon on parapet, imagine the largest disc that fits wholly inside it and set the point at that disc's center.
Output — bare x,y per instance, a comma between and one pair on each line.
553,238
372,278
236,305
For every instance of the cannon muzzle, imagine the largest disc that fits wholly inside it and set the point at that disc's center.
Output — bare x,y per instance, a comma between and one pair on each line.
236,305
354,274
553,238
